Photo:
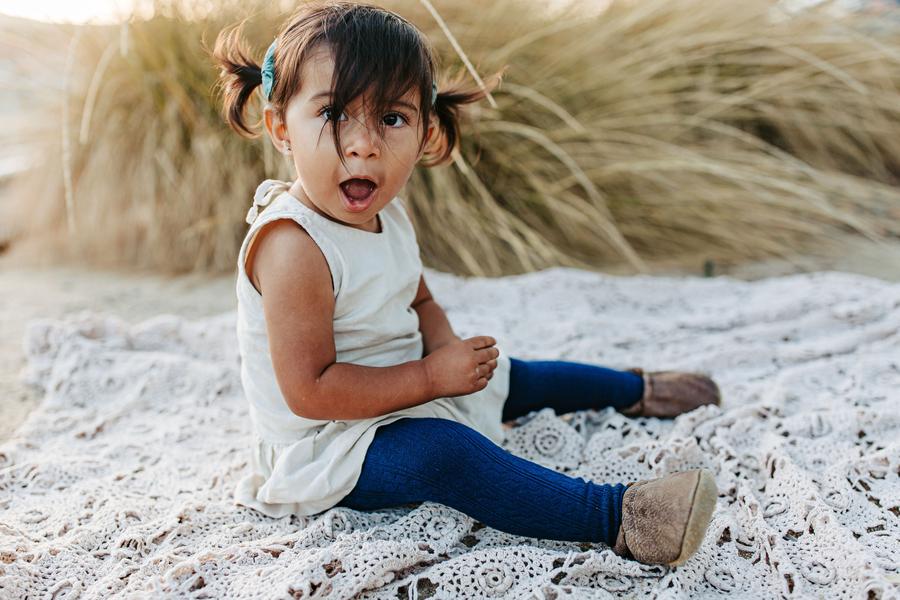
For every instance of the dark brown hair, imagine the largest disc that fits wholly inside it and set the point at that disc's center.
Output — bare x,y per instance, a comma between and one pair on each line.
378,55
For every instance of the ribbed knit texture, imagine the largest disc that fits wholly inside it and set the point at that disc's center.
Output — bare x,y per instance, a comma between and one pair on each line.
567,387
439,460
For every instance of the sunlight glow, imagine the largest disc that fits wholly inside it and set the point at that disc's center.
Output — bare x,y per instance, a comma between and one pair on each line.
66,11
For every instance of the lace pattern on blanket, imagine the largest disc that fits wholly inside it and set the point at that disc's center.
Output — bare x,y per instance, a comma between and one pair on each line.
121,481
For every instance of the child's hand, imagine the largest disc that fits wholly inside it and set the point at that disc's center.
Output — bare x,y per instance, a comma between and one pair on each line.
462,366
431,350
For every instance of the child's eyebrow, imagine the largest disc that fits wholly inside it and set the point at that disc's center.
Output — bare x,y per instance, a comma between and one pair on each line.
327,94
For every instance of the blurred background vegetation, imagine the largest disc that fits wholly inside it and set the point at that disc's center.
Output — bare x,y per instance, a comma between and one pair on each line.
653,130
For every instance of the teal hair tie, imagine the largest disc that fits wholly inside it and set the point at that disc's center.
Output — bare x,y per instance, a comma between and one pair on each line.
433,92
268,71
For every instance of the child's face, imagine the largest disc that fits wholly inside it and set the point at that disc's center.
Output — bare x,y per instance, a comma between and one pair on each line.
388,162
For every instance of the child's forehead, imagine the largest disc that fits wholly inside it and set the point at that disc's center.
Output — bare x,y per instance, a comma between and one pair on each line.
317,72
318,67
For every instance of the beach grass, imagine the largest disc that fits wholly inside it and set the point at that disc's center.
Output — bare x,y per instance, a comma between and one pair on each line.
654,129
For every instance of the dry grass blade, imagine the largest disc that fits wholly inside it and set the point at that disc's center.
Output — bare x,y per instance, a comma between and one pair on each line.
651,130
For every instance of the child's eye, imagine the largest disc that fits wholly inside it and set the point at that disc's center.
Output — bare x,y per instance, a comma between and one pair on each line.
398,119
399,122
327,109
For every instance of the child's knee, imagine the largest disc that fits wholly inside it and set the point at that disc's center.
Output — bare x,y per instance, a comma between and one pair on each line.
437,448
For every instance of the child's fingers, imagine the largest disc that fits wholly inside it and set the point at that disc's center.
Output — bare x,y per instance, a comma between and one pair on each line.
486,354
482,341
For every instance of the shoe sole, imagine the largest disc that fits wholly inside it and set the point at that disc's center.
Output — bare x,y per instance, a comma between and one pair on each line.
702,507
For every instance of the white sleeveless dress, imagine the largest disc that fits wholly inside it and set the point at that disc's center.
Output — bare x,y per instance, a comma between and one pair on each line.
305,466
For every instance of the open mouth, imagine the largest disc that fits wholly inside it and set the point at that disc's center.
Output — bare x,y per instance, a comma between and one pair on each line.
358,193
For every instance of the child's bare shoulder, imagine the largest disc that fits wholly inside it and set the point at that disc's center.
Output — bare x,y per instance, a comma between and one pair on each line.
282,253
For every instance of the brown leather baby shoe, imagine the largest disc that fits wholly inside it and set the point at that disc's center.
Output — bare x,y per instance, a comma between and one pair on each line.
667,394
664,520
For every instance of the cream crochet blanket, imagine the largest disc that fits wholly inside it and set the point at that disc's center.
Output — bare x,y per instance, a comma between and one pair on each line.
120,483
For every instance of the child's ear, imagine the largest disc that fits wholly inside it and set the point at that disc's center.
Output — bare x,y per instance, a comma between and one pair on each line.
430,135
277,130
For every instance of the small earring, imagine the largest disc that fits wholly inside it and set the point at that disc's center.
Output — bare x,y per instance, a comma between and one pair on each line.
287,148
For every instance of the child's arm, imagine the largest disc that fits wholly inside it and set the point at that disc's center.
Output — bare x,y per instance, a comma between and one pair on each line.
433,323
298,303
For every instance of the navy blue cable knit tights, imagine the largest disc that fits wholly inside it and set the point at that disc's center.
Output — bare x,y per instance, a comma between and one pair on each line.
440,460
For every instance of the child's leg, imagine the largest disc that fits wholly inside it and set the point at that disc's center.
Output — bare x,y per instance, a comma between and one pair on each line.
567,387
444,461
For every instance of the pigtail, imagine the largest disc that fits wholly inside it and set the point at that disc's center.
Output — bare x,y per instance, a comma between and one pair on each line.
238,77
447,108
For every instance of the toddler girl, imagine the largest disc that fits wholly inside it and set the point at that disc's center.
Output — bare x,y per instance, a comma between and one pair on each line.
360,393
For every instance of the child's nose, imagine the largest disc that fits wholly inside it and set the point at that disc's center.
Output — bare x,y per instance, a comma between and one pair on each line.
361,142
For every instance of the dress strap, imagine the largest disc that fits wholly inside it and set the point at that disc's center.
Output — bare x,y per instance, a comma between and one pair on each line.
265,192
